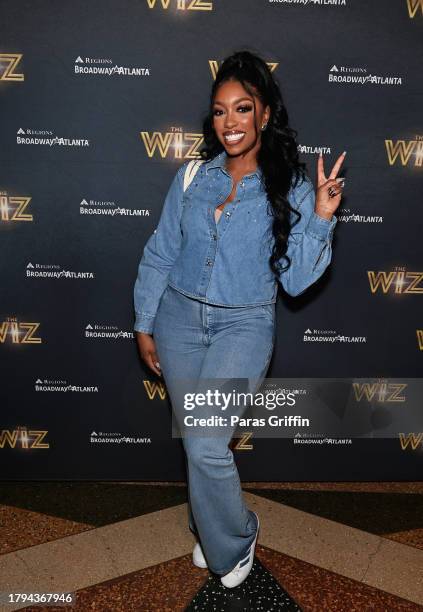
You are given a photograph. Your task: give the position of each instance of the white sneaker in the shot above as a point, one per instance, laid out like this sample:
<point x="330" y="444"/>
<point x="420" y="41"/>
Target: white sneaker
<point x="243" y="568"/>
<point x="198" y="557"/>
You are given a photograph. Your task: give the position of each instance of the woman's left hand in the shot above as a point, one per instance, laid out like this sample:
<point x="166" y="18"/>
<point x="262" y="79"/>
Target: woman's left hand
<point x="329" y="190"/>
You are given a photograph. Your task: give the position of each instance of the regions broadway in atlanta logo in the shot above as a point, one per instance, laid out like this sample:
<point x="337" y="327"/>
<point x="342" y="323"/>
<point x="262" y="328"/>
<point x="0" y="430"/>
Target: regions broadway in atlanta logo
<point x="314" y="149"/>
<point x="110" y="209"/>
<point x="62" y="386"/>
<point x="106" y="67"/>
<point x="309" y="438"/>
<point x="346" y="216"/>
<point x="54" y="271"/>
<point x="357" y="75"/>
<point x="107" y="331"/>
<point x="47" y="137"/>
<point x="311" y="2"/>
<point x="102" y="437"/>
<point x="329" y="335"/>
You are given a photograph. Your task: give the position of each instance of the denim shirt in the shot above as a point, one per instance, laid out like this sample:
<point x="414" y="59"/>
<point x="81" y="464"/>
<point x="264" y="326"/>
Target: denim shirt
<point x="227" y="263"/>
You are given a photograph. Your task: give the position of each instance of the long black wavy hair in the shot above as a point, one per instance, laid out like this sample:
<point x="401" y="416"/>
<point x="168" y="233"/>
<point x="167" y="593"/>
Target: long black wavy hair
<point x="278" y="154"/>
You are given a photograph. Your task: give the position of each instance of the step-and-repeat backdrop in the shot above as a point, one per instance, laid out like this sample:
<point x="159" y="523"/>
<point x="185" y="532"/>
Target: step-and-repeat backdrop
<point x="100" y="104"/>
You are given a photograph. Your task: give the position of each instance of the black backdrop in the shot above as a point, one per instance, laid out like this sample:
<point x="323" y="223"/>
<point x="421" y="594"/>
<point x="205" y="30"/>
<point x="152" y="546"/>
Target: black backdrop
<point x="100" y="104"/>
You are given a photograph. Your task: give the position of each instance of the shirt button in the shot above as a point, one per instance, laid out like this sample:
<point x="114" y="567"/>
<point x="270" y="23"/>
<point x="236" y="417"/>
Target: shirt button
<point x="214" y="236"/>
<point x="242" y="184"/>
<point x="209" y="262"/>
<point x="228" y="214"/>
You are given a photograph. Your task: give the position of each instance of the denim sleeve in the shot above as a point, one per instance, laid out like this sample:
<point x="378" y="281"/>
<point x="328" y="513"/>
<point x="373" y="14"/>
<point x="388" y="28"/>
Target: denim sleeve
<point x="309" y="243"/>
<point x="160" y="253"/>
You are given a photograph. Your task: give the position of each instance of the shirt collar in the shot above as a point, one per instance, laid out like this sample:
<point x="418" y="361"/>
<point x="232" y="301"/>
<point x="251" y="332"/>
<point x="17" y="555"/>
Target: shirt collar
<point x="219" y="161"/>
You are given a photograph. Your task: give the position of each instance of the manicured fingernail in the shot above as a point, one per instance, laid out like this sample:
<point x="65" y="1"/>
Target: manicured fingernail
<point x="320" y="154"/>
<point x="157" y="364"/>
<point x="344" y="152"/>
<point x="340" y="179"/>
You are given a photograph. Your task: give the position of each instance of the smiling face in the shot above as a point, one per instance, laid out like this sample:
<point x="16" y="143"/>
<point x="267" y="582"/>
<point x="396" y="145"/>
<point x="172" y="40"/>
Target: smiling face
<point x="235" y="124"/>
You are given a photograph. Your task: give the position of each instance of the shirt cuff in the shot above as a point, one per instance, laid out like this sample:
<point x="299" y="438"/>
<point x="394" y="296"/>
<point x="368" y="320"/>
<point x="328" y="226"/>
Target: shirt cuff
<point x="144" y="323"/>
<point x="320" y="227"/>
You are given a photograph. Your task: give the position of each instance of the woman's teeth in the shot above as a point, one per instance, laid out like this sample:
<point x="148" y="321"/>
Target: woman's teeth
<point x="234" y="137"/>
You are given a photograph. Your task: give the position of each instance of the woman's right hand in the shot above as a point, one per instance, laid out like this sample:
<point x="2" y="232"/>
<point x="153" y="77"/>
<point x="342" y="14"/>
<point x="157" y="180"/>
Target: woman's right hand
<point x="147" y="348"/>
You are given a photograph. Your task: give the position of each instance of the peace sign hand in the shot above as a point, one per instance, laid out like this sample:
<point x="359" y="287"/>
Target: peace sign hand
<point x="329" y="190"/>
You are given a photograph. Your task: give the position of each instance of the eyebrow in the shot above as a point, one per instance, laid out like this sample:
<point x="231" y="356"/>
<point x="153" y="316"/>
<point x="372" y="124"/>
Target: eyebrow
<point x="235" y="101"/>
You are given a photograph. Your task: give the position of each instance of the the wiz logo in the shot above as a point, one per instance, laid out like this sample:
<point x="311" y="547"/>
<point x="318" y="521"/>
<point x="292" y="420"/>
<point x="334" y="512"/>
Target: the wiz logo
<point x="413" y="6"/>
<point x="181" y="5"/>
<point x="401" y="150"/>
<point x="395" y="281"/>
<point x="12" y="208"/>
<point x="8" y="63"/>
<point x="180" y="144"/>
<point x="23" y="438"/>
<point x="18" y="332"/>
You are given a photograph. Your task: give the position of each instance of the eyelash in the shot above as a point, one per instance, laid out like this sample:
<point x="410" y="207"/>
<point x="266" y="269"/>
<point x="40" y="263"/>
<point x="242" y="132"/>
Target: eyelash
<point x="247" y="108"/>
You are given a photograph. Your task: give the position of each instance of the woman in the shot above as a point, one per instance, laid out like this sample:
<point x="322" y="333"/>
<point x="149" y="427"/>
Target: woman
<point x="208" y="278"/>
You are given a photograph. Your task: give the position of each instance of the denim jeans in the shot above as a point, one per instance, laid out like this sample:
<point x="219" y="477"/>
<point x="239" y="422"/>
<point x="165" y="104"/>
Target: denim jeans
<point x="196" y="340"/>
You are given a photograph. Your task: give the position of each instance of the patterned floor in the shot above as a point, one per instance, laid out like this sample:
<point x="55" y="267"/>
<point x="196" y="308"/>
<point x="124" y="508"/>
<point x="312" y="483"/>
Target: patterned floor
<point x="126" y="547"/>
